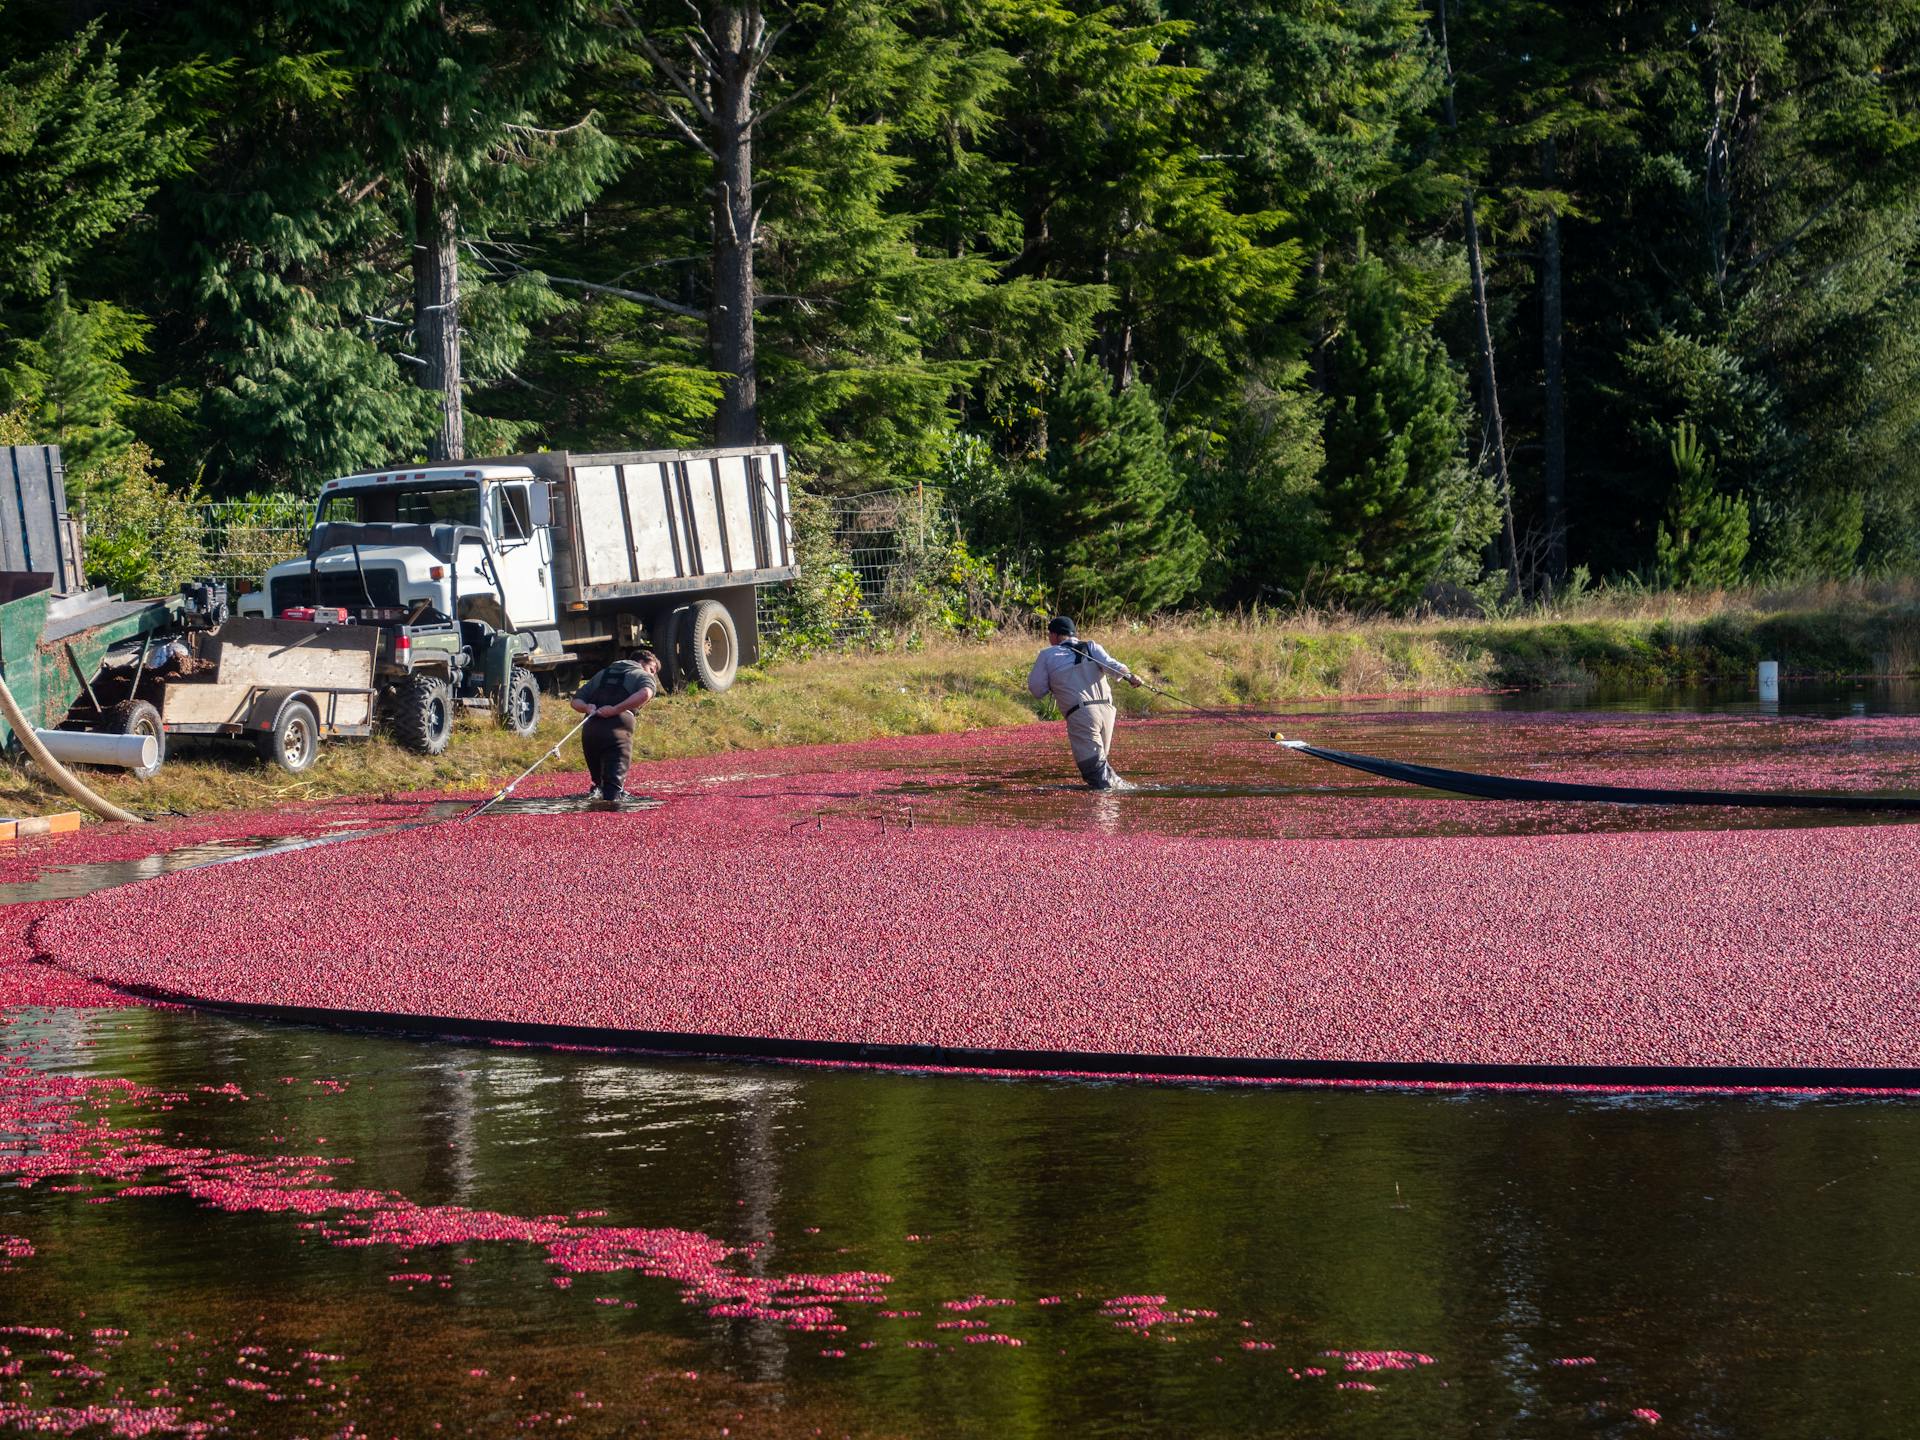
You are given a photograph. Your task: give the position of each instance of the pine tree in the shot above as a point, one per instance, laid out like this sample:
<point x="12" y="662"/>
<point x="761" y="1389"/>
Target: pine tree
<point x="1115" y="532"/>
<point x="80" y="149"/>
<point x="799" y="198"/>
<point x="1254" y="485"/>
<point x="1117" y="188"/>
<point x="1403" y="508"/>
<point x="1703" y="543"/>
<point x="462" y="137"/>
<point x="329" y="138"/>
<point x="71" y="380"/>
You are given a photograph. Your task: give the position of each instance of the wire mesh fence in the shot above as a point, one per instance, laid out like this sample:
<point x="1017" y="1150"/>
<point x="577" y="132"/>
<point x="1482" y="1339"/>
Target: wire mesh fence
<point x="244" y="538"/>
<point x="879" y="531"/>
<point x="863" y="563"/>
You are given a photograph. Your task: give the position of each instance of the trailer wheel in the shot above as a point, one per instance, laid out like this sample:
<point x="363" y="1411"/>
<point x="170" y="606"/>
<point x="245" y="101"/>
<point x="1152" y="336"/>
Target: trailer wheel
<point x="138" y="717"/>
<point x="423" y="714"/>
<point x="520" y="705"/>
<point x="716" y="646"/>
<point x="294" y="742"/>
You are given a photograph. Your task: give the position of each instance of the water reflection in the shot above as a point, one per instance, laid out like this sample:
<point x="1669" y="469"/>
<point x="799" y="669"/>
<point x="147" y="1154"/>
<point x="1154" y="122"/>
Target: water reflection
<point x="1733" y="1263"/>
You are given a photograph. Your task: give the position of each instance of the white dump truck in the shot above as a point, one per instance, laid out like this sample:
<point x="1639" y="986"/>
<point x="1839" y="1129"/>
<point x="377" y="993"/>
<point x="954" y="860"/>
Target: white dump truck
<point x="483" y="575"/>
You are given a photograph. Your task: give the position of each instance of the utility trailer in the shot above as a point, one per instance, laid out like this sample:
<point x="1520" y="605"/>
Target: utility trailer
<point x="96" y="664"/>
<point x="484" y="575"/>
<point x="83" y="662"/>
<point x="280" y="684"/>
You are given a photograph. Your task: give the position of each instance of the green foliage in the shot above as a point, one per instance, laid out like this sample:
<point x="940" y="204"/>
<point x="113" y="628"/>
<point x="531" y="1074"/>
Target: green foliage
<point x="72" y="382"/>
<point x="284" y="260"/>
<point x="1403" y="508"/>
<point x="79" y="150"/>
<point x="207" y="214"/>
<point x="1114" y="533"/>
<point x="143" y="537"/>
<point x="1703" y="542"/>
<point x="1254" y="483"/>
<point x="940" y="587"/>
<point x="1117" y="189"/>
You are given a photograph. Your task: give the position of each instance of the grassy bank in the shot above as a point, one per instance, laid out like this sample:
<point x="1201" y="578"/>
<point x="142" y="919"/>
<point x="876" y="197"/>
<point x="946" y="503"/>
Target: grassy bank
<point x="1648" y="640"/>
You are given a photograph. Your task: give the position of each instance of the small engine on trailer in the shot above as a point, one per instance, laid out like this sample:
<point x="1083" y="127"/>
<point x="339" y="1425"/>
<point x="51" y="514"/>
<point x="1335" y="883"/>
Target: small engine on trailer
<point x="203" y="604"/>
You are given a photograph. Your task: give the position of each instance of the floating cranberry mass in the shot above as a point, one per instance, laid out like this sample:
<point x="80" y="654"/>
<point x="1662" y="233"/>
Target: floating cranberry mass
<point x="772" y="903"/>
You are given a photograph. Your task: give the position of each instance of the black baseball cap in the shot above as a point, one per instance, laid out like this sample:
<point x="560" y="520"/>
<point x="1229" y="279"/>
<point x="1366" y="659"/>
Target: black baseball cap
<point x="1060" y="625"/>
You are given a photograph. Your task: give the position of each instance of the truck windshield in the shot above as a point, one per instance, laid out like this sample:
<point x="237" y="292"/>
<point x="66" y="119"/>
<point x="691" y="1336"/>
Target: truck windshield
<point x="454" y="502"/>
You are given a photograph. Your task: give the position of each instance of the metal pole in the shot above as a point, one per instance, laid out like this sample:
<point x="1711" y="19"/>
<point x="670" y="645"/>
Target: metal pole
<point x="558" y="745"/>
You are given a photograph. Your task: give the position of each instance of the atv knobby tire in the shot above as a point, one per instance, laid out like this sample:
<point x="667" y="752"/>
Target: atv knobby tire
<point x="422" y="714"/>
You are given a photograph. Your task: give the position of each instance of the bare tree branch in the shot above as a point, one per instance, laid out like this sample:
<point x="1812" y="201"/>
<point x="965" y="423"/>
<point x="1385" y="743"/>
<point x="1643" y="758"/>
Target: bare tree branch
<point x="689" y="134"/>
<point x="639" y="297"/>
<point x="805" y="302"/>
<point x="785" y="102"/>
<point x="700" y="26"/>
<point x="671" y="71"/>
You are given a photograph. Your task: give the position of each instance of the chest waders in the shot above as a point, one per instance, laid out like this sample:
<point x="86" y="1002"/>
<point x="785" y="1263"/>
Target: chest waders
<point x="1090" y="722"/>
<point x="607" y="741"/>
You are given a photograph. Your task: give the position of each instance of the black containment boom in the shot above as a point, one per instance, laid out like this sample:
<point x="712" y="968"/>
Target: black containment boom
<point x="1501" y="787"/>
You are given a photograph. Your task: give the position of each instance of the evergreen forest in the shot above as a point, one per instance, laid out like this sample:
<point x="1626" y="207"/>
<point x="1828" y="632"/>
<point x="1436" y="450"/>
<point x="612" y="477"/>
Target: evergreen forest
<point x="1176" y="303"/>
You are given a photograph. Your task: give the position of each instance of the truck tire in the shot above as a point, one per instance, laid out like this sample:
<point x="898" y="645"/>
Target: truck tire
<point x="137" y="717"/>
<point x="294" y="742"/>
<point x="669" y="631"/>
<point x="423" y="714"/>
<point x="716" y="646"/>
<point x="520" y="705"/>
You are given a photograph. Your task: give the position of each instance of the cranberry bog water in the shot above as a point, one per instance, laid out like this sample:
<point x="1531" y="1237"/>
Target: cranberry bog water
<point x="869" y="1217"/>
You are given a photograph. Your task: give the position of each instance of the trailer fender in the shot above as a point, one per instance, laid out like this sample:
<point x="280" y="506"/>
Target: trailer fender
<point x="267" y="706"/>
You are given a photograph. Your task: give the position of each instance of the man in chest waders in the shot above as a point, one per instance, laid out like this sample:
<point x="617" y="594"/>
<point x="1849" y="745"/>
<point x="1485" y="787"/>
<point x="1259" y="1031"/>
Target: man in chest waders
<point x="1074" y="672"/>
<point x="610" y="699"/>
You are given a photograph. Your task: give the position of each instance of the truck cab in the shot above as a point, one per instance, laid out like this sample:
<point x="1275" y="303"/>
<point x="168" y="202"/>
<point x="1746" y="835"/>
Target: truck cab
<point x="440" y="543"/>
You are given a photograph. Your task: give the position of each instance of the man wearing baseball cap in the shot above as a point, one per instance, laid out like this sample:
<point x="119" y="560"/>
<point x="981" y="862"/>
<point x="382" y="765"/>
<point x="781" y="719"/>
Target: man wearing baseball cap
<point x="1074" y="672"/>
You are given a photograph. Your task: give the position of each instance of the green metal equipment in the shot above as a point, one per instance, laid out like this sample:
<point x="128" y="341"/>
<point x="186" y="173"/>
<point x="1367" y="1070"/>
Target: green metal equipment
<point x="52" y="648"/>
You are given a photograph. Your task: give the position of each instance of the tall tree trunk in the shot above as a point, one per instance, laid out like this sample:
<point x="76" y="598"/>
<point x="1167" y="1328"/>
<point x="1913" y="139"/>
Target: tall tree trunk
<point x="737" y="31"/>
<point x="1490" y="380"/>
<point x="1318" y="357"/>
<point x="436" y="306"/>
<point x="1552" y="342"/>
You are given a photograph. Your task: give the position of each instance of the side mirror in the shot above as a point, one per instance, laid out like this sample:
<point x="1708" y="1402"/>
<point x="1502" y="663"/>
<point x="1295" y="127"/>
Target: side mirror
<point x="540" y="502"/>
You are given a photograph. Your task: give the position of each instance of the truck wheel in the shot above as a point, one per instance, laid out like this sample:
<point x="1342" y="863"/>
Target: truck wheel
<point x="294" y="742"/>
<point x="520" y="705"/>
<point x="716" y="646"/>
<point x="423" y="714"/>
<point x="669" y="632"/>
<point x="137" y="717"/>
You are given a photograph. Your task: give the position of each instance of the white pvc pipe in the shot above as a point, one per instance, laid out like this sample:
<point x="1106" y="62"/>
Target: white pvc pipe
<point x="93" y="747"/>
<point x="29" y="739"/>
<point x="1769" y="680"/>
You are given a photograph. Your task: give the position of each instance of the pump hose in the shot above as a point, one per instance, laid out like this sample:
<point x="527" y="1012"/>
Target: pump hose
<point x="55" y="771"/>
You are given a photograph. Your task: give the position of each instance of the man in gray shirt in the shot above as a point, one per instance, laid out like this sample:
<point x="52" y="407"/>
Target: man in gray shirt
<point x="1074" y="672"/>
